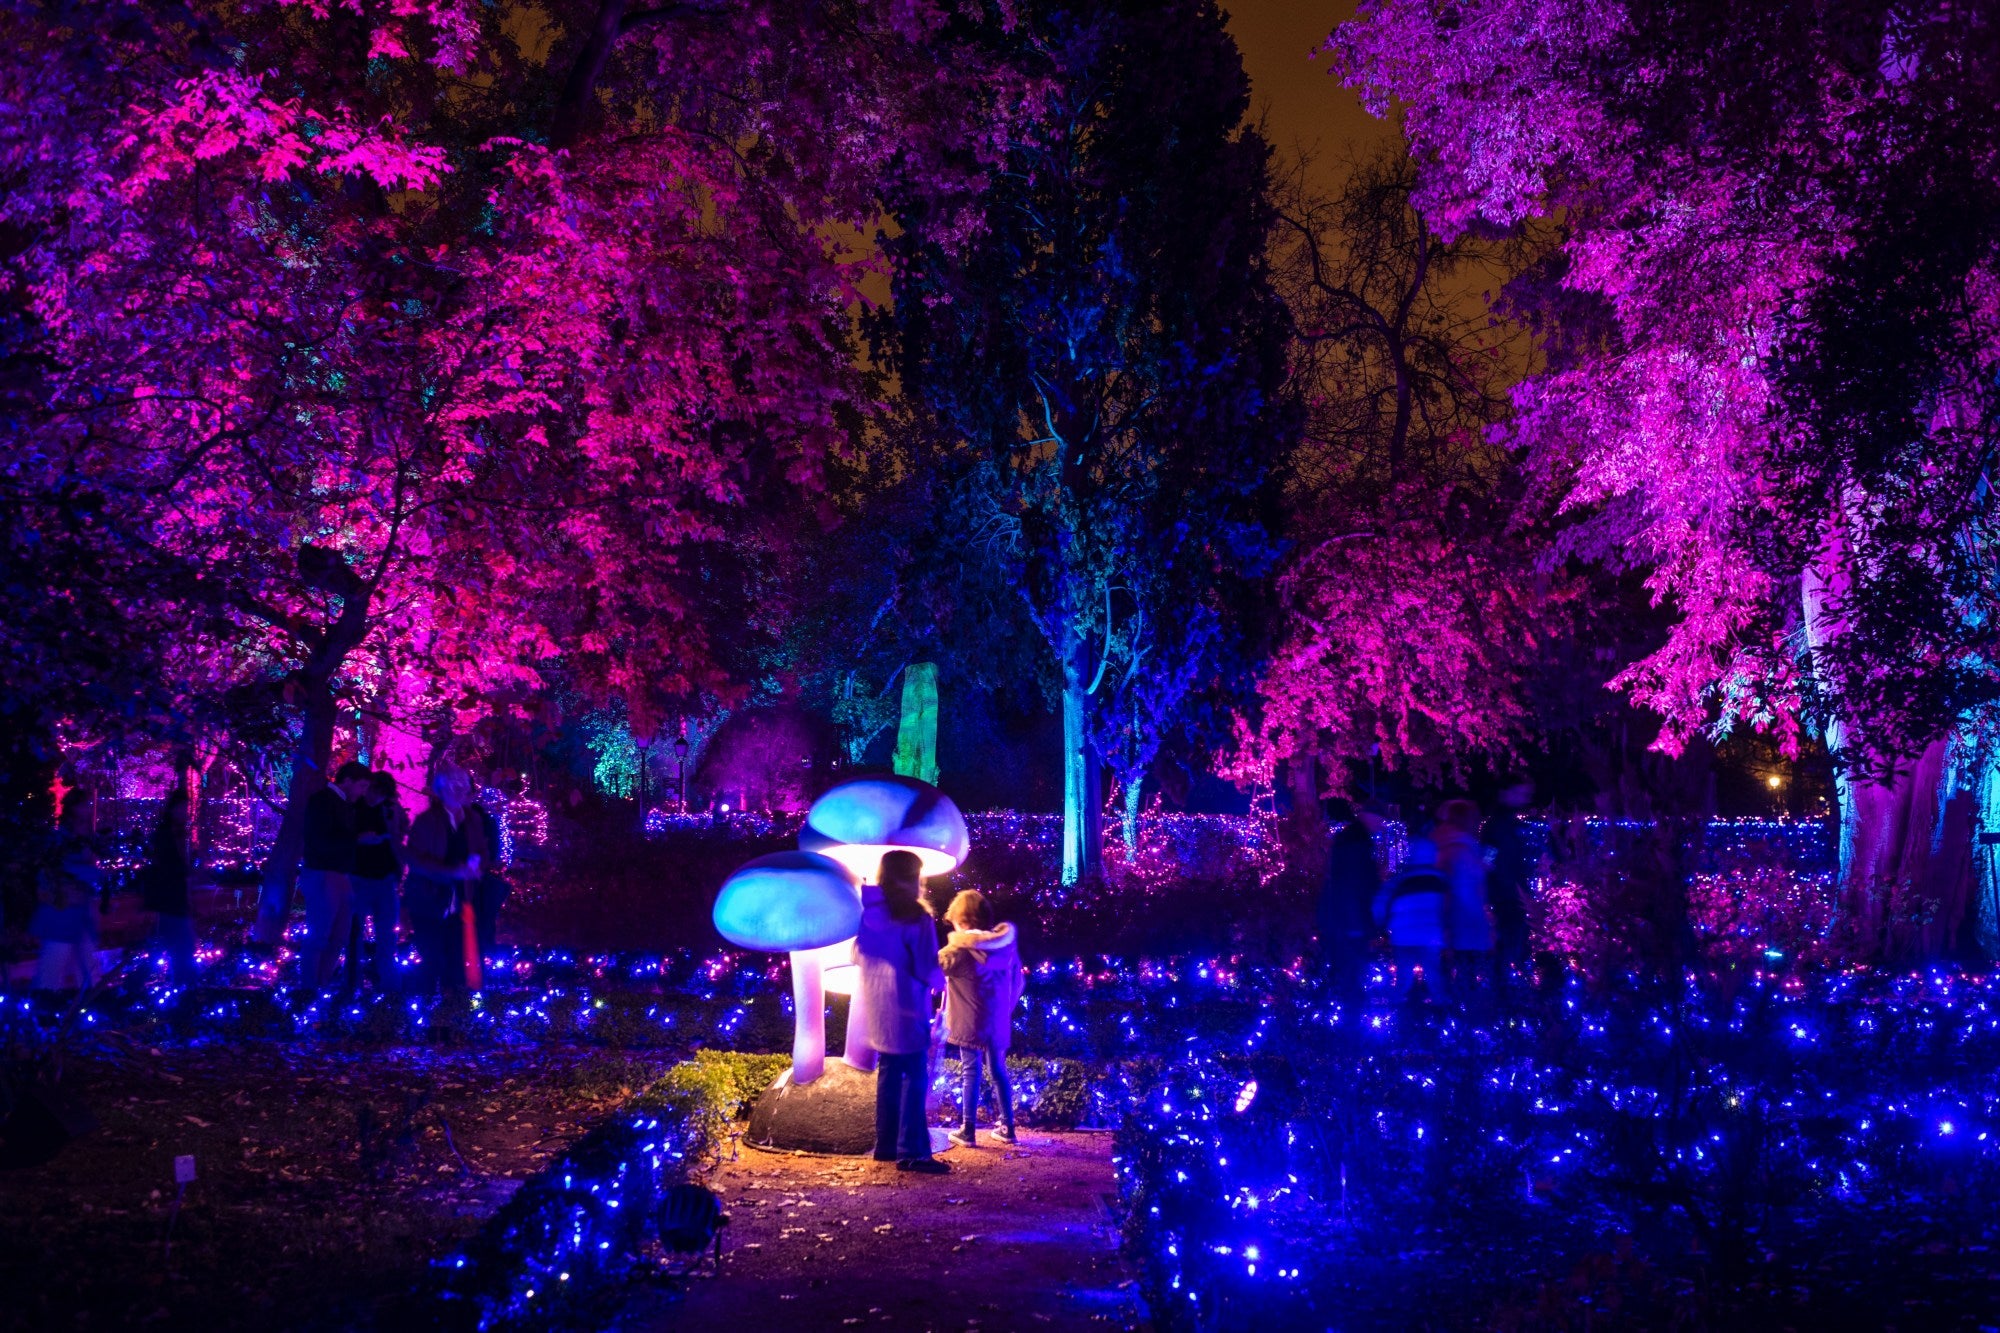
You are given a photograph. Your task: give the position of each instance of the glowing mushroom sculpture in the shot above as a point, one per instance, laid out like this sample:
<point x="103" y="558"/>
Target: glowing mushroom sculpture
<point x="856" y="823"/>
<point x="797" y="903"/>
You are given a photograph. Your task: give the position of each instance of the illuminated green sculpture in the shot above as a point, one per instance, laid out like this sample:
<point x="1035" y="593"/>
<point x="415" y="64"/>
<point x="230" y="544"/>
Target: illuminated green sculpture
<point x="916" y="732"/>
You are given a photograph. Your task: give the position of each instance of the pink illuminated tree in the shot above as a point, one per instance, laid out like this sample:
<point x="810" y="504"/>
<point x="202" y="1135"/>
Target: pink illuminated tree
<point x="391" y="400"/>
<point x="1772" y="330"/>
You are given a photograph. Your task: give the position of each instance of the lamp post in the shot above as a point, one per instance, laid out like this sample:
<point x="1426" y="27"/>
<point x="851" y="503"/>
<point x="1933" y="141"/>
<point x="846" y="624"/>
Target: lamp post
<point x="681" y="754"/>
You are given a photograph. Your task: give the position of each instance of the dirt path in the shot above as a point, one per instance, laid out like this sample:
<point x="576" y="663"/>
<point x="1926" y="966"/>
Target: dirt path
<point x="1012" y="1239"/>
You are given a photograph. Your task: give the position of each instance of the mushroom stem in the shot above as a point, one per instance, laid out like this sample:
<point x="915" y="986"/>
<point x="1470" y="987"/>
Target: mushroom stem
<point x="808" y="1017"/>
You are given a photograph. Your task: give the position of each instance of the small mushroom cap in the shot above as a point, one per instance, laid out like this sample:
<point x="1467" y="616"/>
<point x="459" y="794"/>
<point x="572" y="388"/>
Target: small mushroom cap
<point x="856" y="822"/>
<point x="788" y="901"/>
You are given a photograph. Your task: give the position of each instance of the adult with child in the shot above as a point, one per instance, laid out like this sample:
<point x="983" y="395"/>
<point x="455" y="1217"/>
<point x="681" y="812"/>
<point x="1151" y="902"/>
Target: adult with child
<point x="983" y="982"/>
<point x="380" y="830"/>
<point x="897" y="951"/>
<point x="163" y="887"/>
<point x="446" y="848"/>
<point x="327" y="867"/>
<point x="1462" y="861"/>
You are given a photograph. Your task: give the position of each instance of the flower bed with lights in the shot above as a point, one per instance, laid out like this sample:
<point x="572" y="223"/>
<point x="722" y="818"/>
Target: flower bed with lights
<point x="1641" y="1159"/>
<point x="583" y="1226"/>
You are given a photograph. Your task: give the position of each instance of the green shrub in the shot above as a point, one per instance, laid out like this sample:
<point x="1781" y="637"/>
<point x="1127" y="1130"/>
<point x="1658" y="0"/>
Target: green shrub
<point x="721" y="1084"/>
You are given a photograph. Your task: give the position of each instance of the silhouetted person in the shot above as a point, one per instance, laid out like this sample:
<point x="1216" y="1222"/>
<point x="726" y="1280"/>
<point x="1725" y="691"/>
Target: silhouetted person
<point x="1509" y="877"/>
<point x="447" y="846"/>
<point x="327" y="867"/>
<point x="65" y="919"/>
<point x="380" y="827"/>
<point x="490" y="893"/>
<point x="163" y="887"/>
<point x="1347" y="898"/>
<point x="1462" y="861"/>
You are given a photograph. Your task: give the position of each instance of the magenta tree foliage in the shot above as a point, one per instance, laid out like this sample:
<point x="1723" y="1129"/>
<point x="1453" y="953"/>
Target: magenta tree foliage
<point x="1771" y="333"/>
<point x="405" y="347"/>
<point x="1412" y="610"/>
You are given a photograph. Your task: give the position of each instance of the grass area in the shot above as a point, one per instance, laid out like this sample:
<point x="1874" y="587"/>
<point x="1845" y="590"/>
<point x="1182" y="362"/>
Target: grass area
<point x="328" y="1176"/>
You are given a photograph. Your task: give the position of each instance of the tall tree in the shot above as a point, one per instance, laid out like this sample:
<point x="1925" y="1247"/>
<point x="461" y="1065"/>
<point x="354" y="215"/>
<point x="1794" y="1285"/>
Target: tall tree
<point x="1782" y="230"/>
<point x="1412" y="609"/>
<point x="1098" y="367"/>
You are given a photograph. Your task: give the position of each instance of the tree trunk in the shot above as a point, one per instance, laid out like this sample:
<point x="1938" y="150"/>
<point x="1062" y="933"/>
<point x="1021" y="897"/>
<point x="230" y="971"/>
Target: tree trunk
<point x="1135" y="795"/>
<point x="1304" y="832"/>
<point x="1083" y="795"/>
<point x="1906" y="840"/>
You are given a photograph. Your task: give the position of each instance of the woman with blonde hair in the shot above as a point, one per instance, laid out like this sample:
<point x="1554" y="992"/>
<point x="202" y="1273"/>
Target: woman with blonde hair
<point x="983" y="982"/>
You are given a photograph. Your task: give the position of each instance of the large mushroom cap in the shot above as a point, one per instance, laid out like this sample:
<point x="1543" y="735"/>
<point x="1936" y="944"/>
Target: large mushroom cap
<point x="858" y="821"/>
<point x="787" y="901"/>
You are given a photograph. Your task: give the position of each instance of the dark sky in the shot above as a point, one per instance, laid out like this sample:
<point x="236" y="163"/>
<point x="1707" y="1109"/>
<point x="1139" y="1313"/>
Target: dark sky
<point x="1304" y="106"/>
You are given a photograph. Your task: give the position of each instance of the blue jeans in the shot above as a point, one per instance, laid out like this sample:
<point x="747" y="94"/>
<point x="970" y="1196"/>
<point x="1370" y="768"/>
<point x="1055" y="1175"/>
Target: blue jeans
<point x="175" y="935"/>
<point x="1003" y="1090"/>
<point x="329" y="896"/>
<point x="375" y="903"/>
<point x="902" y="1131"/>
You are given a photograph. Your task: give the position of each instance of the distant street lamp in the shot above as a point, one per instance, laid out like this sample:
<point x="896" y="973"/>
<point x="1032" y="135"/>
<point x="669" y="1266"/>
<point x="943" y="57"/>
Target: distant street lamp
<point x="681" y="753"/>
<point x="643" y="743"/>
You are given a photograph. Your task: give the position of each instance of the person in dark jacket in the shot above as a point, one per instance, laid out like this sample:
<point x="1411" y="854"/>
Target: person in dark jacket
<point x="327" y="865"/>
<point x="65" y="919"/>
<point x="380" y="826"/>
<point x="897" y="952"/>
<point x="1508" y="877"/>
<point x="492" y="889"/>
<point x="447" y="847"/>
<point x="1348" y="897"/>
<point x="163" y="887"/>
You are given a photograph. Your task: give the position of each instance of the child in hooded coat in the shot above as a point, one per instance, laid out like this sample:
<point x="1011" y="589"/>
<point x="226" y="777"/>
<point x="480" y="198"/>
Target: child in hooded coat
<point x="983" y="982"/>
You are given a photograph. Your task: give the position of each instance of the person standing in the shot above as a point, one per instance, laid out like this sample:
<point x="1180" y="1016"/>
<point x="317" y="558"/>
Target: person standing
<point x="897" y="950"/>
<point x="163" y="889"/>
<point x="328" y="863"/>
<point x="1468" y="928"/>
<point x="492" y="889"/>
<point x="1352" y="881"/>
<point x="983" y="982"/>
<point x="380" y="828"/>
<point x="1412" y="906"/>
<point x="65" y="919"/>
<point x="1508" y="877"/>
<point x="447" y="846"/>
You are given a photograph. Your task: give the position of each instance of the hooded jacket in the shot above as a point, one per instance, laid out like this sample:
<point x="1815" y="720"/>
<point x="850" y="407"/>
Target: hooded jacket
<point x="983" y="982"/>
<point x="899" y="971"/>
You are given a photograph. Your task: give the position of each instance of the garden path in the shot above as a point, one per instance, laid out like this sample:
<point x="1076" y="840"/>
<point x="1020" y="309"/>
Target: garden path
<point x="1013" y="1239"/>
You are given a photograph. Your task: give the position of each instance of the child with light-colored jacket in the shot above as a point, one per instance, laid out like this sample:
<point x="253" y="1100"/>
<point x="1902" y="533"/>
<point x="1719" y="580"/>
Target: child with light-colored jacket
<point x="983" y="982"/>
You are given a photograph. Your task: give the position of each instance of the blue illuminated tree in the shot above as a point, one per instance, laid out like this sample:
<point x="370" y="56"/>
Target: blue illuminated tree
<point x="1097" y="370"/>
